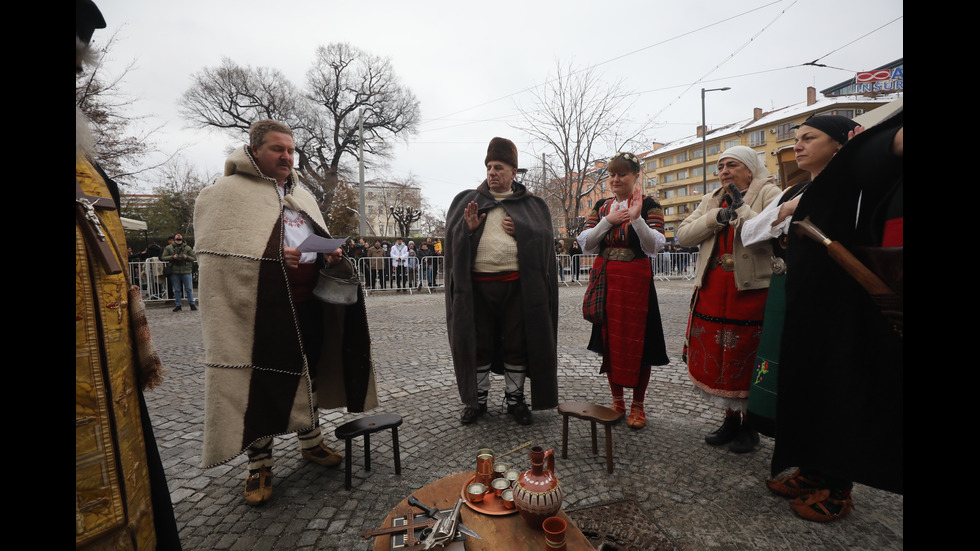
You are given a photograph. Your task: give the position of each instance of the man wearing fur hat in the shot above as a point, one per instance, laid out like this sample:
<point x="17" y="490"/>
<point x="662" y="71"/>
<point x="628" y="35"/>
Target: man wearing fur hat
<point x="270" y="345"/>
<point x="121" y="497"/>
<point x="502" y="290"/>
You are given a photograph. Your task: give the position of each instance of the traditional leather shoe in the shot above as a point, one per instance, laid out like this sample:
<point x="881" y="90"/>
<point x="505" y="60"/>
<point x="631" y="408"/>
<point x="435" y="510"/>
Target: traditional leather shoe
<point x="726" y="432"/>
<point x="820" y="506"/>
<point x="795" y="485"/>
<point x="193" y="307"/>
<point x="177" y="309"/>
<point x="322" y="455"/>
<point x="258" y="486"/>
<point x="470" y="414"/>
<point x="637" y="418"/>
<point x="520" y="413"/>
<point x="619" y="404"/>
<point x="745" y="440"/>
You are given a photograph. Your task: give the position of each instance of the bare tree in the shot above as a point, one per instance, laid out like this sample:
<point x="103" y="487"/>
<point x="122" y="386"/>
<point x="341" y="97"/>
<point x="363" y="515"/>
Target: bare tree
<point x="343" y="83"/>
<point x="342" y="219"/>
<point x="389" y="197"/>
<point x="173" y="210"/>
<point x="433" y="222"/>
<point x="580" y="119"/>
<point x="405" y="218"/>
<point x="120" y="146"/>
<point x="231" y="97"/>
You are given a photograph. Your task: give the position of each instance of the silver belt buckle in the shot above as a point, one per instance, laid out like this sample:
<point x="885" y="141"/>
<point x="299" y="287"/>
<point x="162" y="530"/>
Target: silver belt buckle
<point x="620" y="255"/>
<point x="728" y="262"/>
<point x="778" y="265"/>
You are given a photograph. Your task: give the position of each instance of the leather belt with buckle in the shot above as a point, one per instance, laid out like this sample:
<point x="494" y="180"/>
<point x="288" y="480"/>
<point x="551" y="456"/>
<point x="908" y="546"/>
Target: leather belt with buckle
<point x="727" y="262"/>
<point x="778" y="265"/>
<point x="619" y="254"/>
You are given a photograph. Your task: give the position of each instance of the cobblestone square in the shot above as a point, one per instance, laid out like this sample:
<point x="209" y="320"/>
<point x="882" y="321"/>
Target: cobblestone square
<point x="700" y="497"/>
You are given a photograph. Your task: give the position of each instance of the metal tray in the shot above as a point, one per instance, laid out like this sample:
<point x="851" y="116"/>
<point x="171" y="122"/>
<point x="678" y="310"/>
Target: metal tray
<point x="491" y="504"/>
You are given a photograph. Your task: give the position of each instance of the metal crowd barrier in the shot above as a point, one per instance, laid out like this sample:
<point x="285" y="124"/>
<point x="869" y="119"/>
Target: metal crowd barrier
<point x="576" y="269"/>
<point x="674" y="266"/>
<point x="428" y="273"/>
<point x="381" y="274"/>
<point x="378" y="274"/>
<point x="149" y="276"/>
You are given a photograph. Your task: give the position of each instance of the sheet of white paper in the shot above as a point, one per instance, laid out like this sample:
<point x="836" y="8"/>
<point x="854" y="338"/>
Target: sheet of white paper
<point x="317" y="244"/>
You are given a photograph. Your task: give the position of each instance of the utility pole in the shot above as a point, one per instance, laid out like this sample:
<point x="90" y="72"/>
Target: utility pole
<point x="362" y="228"/>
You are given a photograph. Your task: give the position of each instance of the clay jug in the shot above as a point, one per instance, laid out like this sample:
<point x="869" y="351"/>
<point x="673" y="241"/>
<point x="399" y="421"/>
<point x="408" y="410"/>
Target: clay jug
<point x="537" y="494"/>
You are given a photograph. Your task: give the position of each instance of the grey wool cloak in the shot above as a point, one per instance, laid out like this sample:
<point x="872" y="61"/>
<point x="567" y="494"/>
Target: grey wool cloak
<point x="257" y="381"/>
<point x="539" y="289"/>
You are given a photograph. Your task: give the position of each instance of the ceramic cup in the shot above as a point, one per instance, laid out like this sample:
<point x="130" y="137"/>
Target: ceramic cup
<point x="475" y="492"/>
<point x="554" y="533"/>
<point x="507" y="496"/>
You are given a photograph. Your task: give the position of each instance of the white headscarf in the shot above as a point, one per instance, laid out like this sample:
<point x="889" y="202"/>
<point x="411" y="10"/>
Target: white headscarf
<point x="750" y="158"/>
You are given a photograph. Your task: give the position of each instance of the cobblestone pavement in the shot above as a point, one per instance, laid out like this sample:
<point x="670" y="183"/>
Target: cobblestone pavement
<point x="700" y="497"/>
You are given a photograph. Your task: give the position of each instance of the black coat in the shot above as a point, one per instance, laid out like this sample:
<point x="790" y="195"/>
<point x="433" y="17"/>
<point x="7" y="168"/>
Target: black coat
<point x="840" y="392"/>
<point x="539" y="288"/>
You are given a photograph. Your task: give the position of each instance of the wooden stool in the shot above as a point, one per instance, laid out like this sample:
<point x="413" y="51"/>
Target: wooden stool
<point x="364" y="427"/>
<point x="594" y="413"/>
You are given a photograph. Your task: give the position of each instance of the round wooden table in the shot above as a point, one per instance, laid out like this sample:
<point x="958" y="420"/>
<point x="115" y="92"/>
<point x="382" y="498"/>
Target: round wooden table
<point x="498" y="532"/>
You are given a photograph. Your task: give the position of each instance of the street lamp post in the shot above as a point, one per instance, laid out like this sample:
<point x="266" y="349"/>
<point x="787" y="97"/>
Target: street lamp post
<point x="704" y="139"/>
<point x="362" y="228"/>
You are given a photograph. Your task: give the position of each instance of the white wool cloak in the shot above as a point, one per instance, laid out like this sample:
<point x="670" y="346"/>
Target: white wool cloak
<point x="257" y="381"/>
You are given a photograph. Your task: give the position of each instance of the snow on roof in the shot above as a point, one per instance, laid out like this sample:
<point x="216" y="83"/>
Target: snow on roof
<point x="781" y="114"/>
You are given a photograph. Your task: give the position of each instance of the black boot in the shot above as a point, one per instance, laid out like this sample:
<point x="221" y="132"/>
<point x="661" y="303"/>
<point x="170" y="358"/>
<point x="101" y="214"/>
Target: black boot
<point x="745" y="440"/>
<point x="518" y="409"/>
<point x="470" y="414"/>
<point x="726" y="432"/>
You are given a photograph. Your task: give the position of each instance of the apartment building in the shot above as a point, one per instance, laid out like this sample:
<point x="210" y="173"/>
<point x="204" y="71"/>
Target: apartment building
<point x="679" y="174"/>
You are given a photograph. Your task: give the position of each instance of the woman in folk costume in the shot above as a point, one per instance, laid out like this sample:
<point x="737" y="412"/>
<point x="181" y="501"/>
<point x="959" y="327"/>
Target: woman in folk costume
<point x="625" y="231"/>
<point x="817" y="141"/>
<point x="840" y="410"/>
<point x="732" y="284"/>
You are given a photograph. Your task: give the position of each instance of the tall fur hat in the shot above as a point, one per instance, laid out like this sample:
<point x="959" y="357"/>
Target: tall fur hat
<point x="87" y="19"/>
<point x="503" y="150"/>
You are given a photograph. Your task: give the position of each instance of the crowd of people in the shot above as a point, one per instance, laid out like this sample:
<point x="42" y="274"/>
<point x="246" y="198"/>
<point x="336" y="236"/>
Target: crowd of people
<point x="391" y="266"/>
<point x="399" y="266"/>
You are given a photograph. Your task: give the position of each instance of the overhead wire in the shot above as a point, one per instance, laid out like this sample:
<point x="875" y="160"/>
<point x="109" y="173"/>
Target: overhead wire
<point x="687" y="86"/>
<point x="727" y="59"/>
<point x="835" y="50"/>
<point x="662" y="42"/>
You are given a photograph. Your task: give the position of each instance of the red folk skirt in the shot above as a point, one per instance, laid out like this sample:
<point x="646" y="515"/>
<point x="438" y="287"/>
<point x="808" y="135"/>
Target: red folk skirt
<point x="724" y="331"/>
<point x="624" y="333"/>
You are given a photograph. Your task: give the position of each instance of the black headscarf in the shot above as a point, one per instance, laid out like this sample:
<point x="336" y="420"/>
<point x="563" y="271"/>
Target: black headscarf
<point x="835" y="126"/>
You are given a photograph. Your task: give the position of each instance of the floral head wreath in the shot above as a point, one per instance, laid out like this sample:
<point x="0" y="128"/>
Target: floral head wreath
<point x="628" y="156"/>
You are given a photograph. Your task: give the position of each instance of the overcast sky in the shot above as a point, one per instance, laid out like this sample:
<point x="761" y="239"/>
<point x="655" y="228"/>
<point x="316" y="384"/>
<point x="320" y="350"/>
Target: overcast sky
<point x="471" y="64"/>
